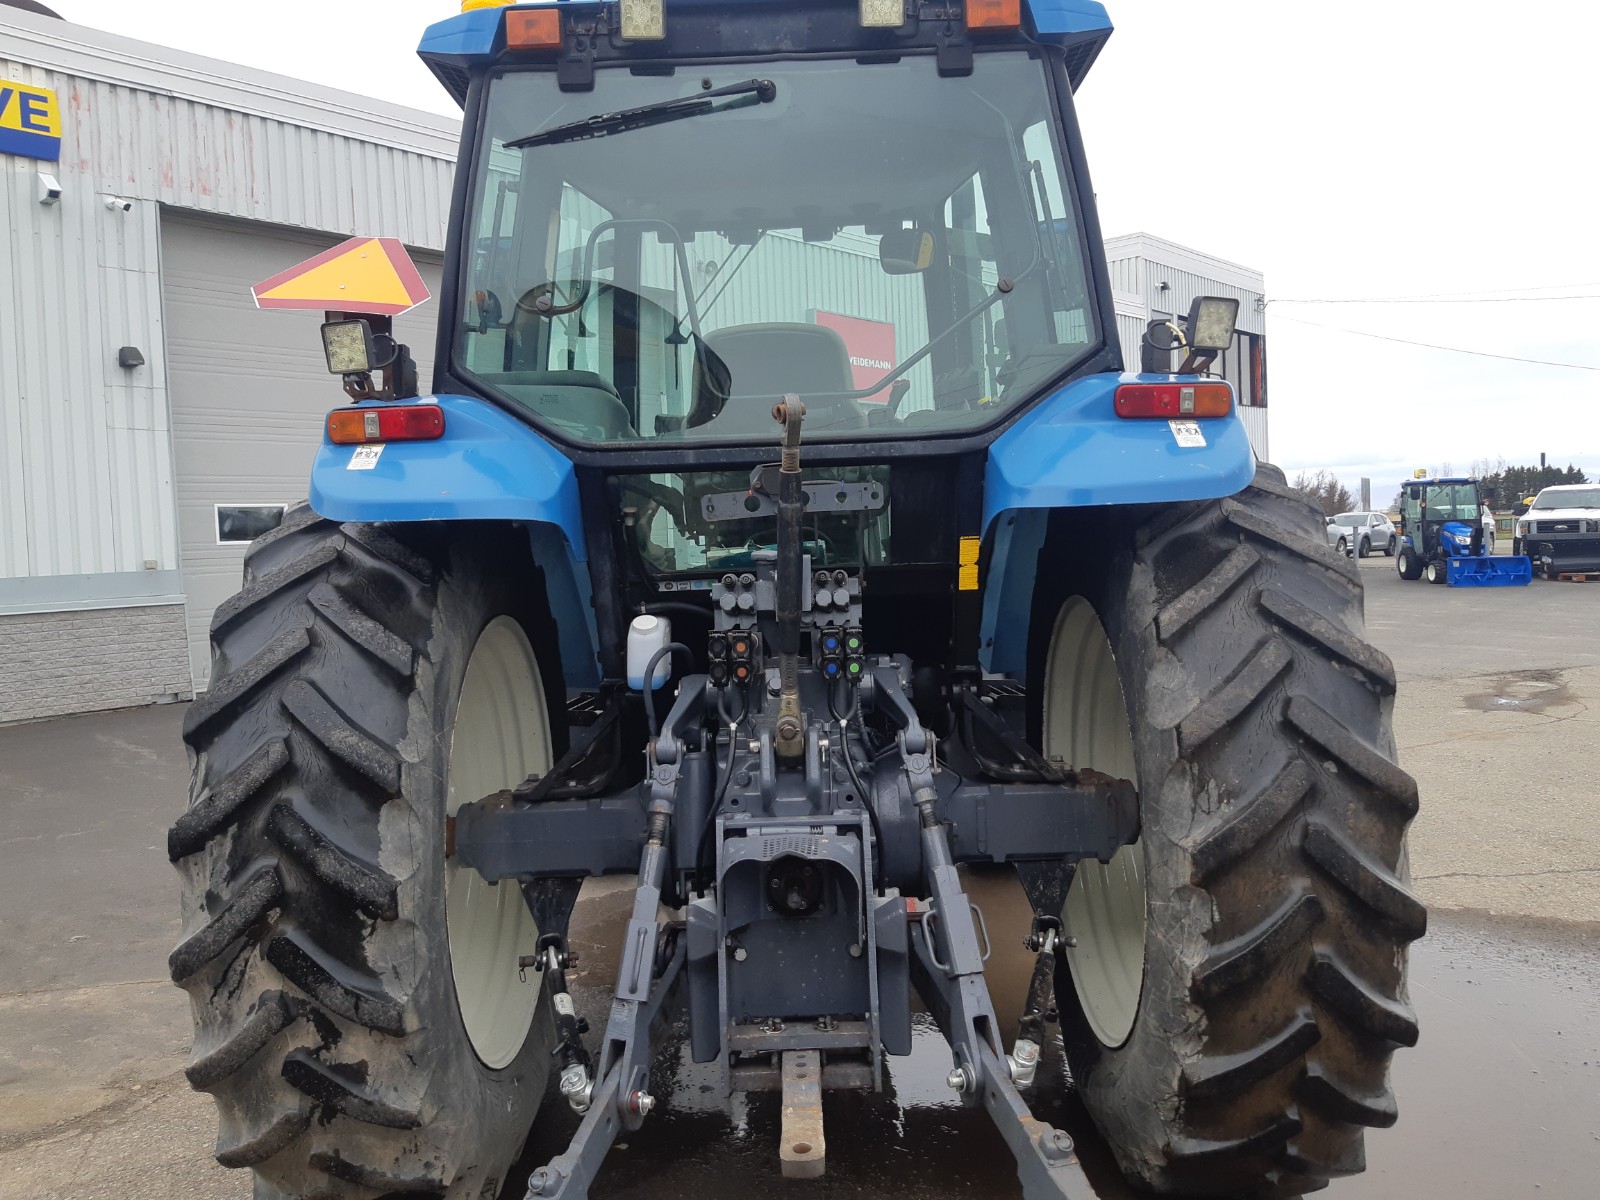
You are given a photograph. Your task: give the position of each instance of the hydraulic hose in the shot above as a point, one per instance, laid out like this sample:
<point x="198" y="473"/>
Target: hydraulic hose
<point x="868" y="801"/>
<point x="649" y="681"/>
<point x="727" y="773"/>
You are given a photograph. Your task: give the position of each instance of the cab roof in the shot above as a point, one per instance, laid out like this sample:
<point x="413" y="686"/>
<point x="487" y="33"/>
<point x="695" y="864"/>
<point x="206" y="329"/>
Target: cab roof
<point x="458" y="47"/>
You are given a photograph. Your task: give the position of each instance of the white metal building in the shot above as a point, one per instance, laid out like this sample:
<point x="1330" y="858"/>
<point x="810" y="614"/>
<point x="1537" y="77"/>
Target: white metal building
<point x="127" y="491"/>
<point x="1152" y="278"/>
<point x="180" y="182"/>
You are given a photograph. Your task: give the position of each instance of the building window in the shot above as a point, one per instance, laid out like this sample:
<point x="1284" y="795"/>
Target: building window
<point x="241" y="524"/>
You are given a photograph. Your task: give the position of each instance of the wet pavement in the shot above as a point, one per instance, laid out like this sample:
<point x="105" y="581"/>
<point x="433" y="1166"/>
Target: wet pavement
<point x="1501" y="1098"/>
<point x="1498" y="716"/>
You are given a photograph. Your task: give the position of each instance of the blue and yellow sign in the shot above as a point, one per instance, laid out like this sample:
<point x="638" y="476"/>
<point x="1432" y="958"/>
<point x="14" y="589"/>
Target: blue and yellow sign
<point x="30" y="121"/>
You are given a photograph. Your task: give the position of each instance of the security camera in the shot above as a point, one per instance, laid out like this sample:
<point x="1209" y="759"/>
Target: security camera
<point x="119" y="204"/>
<point x="49" y="188"/>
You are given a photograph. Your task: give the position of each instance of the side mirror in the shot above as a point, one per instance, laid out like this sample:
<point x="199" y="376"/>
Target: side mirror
<point x="905" y="251"/>
<point x="1331" y="521"/>
<point x="489" y="313"/>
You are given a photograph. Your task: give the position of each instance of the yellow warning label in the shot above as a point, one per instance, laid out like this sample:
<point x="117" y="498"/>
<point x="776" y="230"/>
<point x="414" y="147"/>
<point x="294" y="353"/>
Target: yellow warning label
<point x="967" y="579"/>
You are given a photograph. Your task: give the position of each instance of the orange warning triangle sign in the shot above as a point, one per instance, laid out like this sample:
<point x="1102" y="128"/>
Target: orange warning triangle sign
<point x="361" y="275"/>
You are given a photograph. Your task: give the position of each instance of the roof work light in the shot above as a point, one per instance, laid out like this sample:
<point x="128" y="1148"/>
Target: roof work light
<point x="883" y="14"/>
<point x="644" y="20"/>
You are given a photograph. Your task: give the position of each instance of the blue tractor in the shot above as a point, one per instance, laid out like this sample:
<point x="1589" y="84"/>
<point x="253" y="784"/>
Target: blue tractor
<point x="1441" y="537"/>
<point x="782" y="530"/>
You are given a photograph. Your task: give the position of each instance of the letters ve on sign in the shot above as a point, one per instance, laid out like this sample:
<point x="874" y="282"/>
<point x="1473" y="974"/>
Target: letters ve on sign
<point x="30" y="121"/>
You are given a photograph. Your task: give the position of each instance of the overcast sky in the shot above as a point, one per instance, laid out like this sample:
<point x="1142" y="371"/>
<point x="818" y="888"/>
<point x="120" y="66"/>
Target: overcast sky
<point x="1392" y="149"/>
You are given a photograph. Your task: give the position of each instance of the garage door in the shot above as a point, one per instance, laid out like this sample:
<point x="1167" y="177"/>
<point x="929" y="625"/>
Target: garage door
<point x="249" y="392"/>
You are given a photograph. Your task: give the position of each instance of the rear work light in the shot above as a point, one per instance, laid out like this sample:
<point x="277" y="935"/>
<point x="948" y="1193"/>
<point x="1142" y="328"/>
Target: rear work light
<point x="405" y="423"/>
<point x="1174" y="400"/>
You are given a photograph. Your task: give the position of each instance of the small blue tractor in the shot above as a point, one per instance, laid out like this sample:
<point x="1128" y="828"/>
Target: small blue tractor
<point x="781" y="530"/>
<point x="1441" y="537"/>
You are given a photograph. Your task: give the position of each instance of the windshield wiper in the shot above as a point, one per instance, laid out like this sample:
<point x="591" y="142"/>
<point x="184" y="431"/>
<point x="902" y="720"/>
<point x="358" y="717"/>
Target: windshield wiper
<point x="748" y="93"/>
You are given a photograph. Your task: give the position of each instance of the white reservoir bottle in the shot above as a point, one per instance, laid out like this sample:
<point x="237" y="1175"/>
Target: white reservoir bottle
<point x="646" y="635"/>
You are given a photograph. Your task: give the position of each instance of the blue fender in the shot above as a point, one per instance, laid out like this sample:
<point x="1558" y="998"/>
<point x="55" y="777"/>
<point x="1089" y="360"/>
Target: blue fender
<point x="488" y="466"/>
<point x="1073" y="451"/>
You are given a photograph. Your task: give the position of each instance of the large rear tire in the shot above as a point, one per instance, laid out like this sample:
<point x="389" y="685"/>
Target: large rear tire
<point x="1237" y="986"/>
<point x="359" y="1017"/>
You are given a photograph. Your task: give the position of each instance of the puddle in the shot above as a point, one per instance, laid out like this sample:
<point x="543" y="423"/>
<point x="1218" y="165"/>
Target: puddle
<point x="1524" y="691"/>
<point x="1506" y="1002"/>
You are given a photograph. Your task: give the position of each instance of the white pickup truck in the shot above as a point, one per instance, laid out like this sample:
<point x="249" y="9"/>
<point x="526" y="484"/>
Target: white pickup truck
<point x="1561" y="531"/>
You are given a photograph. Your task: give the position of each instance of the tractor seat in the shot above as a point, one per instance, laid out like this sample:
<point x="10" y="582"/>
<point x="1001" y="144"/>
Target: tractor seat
<point x="773" y="360"/>
<point x="581" y="402"/>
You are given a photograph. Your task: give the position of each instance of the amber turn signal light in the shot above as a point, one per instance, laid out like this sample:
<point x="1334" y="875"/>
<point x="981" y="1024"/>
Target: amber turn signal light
<point x="533" y="29"/>
<point x="994" y="14"/>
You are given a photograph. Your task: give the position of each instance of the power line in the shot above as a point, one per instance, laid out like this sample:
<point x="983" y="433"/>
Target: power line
<point x="1540" y="362"/>
<point x="1440" y="300"/>
<point x="1488" y="294"/>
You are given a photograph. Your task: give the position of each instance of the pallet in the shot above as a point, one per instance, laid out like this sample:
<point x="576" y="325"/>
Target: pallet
<point x="1579" y="577"/>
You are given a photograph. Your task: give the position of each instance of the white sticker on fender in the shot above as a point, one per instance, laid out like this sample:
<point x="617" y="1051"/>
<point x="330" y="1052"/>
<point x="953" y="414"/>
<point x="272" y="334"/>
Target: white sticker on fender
<point x="366" y="457"/>
<point x="1185" y="433"/>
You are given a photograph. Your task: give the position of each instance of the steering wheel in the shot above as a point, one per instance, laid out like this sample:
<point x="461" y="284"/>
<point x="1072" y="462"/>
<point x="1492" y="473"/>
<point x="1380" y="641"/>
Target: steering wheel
<point x="551" y="300"/>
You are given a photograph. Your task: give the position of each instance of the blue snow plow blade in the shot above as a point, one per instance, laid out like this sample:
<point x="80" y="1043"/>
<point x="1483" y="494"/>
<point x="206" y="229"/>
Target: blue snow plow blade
<point x="488" y="466"/>
<point x="1489" y="571"/>
<point x="1073" y="451"/>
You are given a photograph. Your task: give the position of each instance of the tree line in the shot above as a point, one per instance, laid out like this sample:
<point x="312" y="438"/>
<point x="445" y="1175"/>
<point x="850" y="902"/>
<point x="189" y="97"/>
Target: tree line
<point x="1511" y="484"/>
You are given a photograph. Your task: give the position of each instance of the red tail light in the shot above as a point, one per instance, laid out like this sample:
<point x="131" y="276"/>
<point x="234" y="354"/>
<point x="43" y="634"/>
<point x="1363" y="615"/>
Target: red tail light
<point x="1174" y="400"/>
<point x="406" y="423"/>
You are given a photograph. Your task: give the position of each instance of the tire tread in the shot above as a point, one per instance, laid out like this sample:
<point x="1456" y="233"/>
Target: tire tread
<point x="1294" y="841"/>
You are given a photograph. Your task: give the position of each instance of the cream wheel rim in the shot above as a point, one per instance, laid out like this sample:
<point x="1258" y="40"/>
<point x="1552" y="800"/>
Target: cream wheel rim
<point x="1086" y="725"/>
<point x="501" y="736"/>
